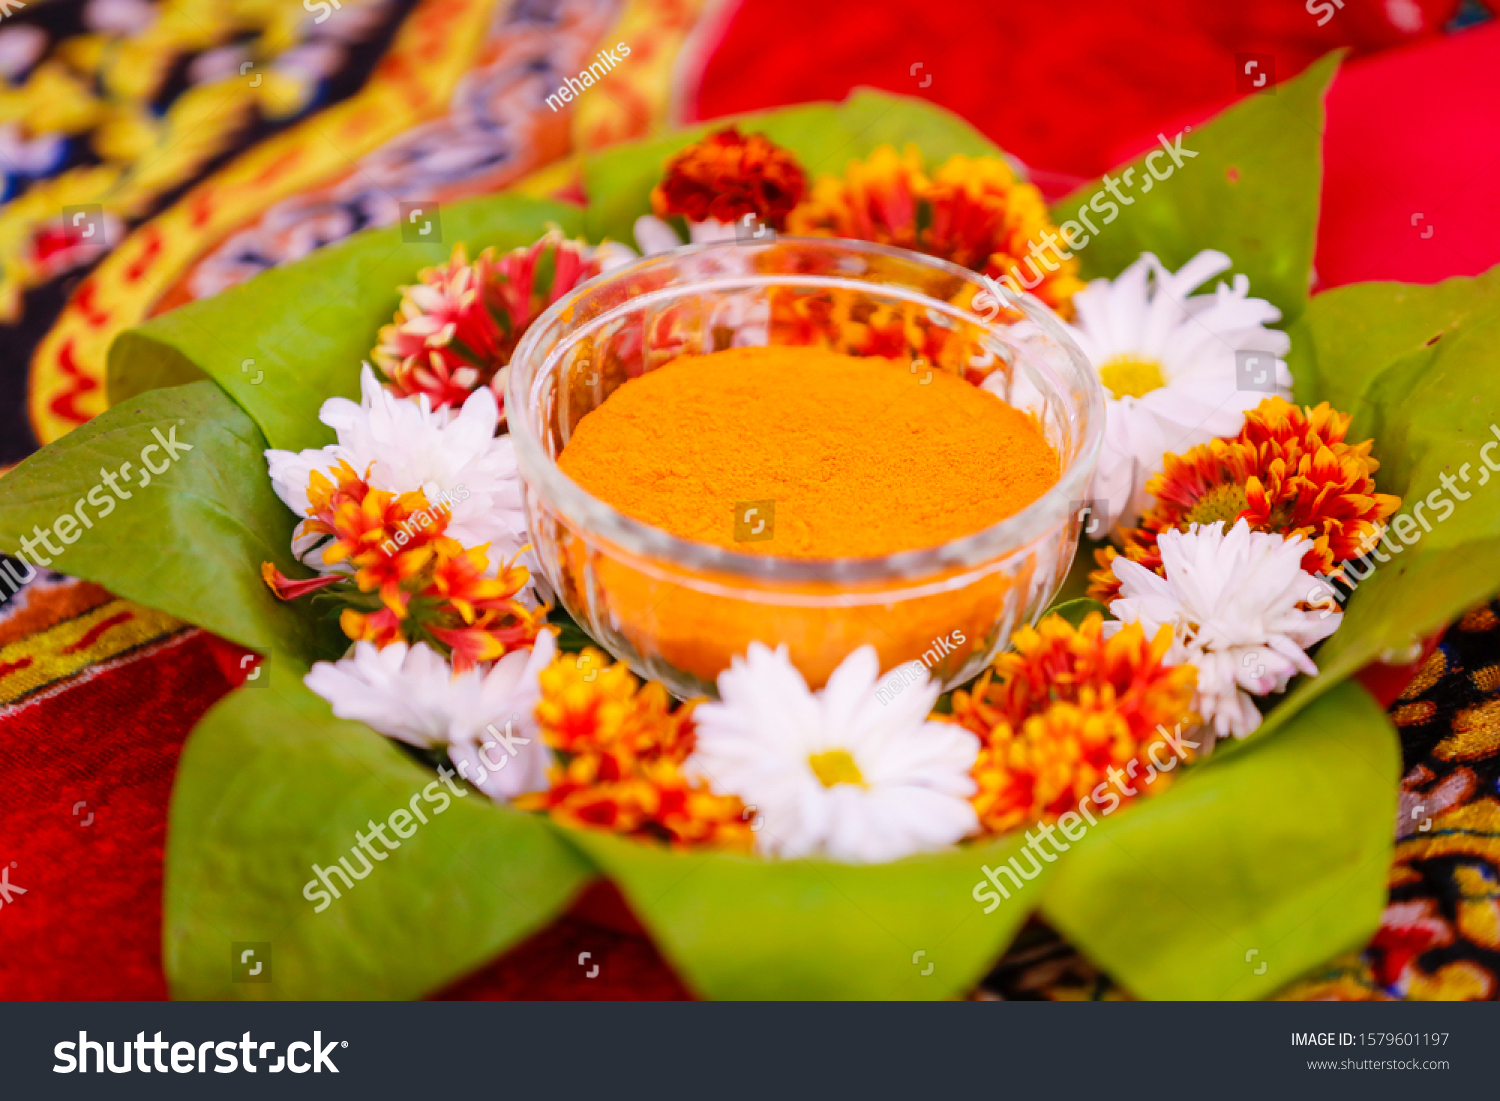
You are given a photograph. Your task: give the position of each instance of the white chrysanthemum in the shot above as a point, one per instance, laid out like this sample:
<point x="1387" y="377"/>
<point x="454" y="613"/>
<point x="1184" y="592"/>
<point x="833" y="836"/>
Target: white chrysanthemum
<point x="836" y="773"/>
<point x="484" y="716"/>
<point x="452" y="455"/>
<point x="1232" y="600"/>
<point x="611" y="255"/>
<point x="1169" y="367"/>
<point x="654" y="235"/>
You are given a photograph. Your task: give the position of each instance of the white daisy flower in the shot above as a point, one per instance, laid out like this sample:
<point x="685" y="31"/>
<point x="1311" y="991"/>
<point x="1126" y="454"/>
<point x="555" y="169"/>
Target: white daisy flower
<point x="1233" y="602"/>
<point x="611" y="255"/>
<point x="1169" y="369"/>
<point x="836" y="772"/>
<point x="654" y="235"/>
<point x="452" y="455"/>
<point x="484" y="716"/>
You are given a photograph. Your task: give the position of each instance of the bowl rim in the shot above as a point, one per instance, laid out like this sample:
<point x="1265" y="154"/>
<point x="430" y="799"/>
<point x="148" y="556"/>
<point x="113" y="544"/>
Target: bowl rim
<point x="597" y="520"/>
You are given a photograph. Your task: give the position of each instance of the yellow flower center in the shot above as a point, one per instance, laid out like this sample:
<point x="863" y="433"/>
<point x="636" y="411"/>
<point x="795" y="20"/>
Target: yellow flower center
<point x="1223" y="502"/>
<point x="1131" y="376"/>
<point x="835" y="767"/>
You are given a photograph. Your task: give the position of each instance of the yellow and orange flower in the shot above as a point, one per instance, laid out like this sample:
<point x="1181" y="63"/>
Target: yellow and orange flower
<point x="624" y="745"/>
<point x="971" y="211"/>
<point x="1290" y="471"/>
<point x="847" y="322"/>
<point x="874" y="200"/>
<point x="728" y="175"/>
<point x="1068" y="712"/>
<point x="410" y="581"/>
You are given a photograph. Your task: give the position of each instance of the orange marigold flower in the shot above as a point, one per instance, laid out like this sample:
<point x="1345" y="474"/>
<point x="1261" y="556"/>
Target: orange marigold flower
<point x="875" y="200"/>
<point x="1069" y="711"/>
<point x="971" y="211"/>
<point x="623" y="745"/>
<point x="840" y="321"/>
<point x="728" y="175"/>
<point x="1289" y="471"/>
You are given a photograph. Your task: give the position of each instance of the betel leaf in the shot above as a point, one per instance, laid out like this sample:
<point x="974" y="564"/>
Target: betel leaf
<point x="824" y="136"/>
<point x="1251" y="191"/>
<point x="743" y="927"/>
<point x="1246" y="872"/>
<point x="1352" y="334"/>
<point x="1419" y="369"/>
<point x="284" y="342"/>
<point x="188" y="542"/>
<point x="271" y="784"/>
<point x="1077" y="610"/>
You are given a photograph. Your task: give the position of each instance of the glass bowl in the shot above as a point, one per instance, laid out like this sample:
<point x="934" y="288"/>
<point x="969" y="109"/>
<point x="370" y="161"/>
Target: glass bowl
<point x="679" y="610"/>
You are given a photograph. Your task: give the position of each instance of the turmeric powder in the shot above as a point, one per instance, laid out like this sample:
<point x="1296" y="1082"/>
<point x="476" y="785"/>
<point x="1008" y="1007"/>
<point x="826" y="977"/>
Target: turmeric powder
<point x="858" y="457"/>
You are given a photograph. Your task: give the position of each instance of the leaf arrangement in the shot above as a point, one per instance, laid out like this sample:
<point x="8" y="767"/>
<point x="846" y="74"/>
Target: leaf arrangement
<point x="1275" y="849"/>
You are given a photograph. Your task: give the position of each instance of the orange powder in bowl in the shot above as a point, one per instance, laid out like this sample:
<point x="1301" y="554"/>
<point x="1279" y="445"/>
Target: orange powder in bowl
<point x="806" y="453"/>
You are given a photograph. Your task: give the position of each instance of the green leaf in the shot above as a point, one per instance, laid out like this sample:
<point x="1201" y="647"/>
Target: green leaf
<point x="824" y="136"/>
<point x="190" y="541"/>
<point x="743" y="927"/>
<point x="1251" y="192"/>
<point x="571" y="638"/>
<point x="1275" y="855"/>
<point x="1419" y="368"/>
<point x="1351" y="334"/>
<point x="271" y="784"/>
<point x="286" y="341"/>
<point x="1076" y="611"/>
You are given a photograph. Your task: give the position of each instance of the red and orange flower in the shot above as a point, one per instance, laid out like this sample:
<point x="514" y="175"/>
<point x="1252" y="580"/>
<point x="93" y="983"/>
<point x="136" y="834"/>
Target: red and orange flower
<point x="1069" y="712"/>
<point x="1289" y="471"/>
<point x="623" y="746"/>
<point x="728" y="175"/>
<point x="971" y="211"/>
<point x="409" y="582"/>
<point x="458" y="326"/>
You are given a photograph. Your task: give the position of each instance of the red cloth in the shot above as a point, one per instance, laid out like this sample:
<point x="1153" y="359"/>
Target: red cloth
<point x="1060" y="85"/>
<point x="89" y="924"/>
<point x="1411" y="164"/>
<point x="1075" y="89"/>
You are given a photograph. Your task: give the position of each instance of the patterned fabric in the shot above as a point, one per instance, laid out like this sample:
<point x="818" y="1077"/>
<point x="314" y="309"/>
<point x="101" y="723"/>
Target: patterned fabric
<point x="109" y="110"/>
